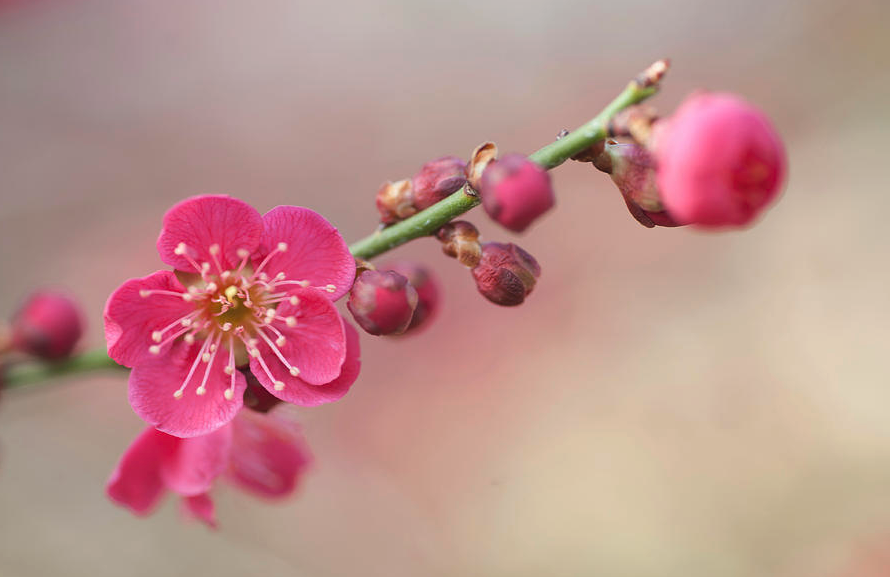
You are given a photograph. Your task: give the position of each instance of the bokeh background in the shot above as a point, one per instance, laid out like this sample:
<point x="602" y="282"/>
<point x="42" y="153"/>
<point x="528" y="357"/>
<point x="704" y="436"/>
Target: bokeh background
<point x="668" y="403"/>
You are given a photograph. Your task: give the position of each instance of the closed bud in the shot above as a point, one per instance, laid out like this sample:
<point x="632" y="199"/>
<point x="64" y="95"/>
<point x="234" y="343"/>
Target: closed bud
<point x="427" y="291"/>
<point x="720" y="161"/>
<point x="256" y="397"/>
<point x="506" y="274"/>
<point x="515" y="191"/>
<point x="460" y="239"/>
<point x="48" y="325"/>
<point x="395" y="201"/>
<point x="438" y="179"/>
<point x="632" y="169"/>
<point x="382" y="302"/>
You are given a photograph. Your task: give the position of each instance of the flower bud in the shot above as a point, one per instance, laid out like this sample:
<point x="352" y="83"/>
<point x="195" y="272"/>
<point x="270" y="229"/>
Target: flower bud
<point x="506" y="274"/>
<point x="382" y="302"/>
<point x="482" y="156"/>
<point x="438" y="179"/>
<point x="48" y="325"/>
<point x="427" y="291"/>
<point x="515" y="191"/>
<point x="632" y="169"/>
<point x="256" y="397"/>
<point x="720" y="161"/>
<point x="460" y="239"/>
<point x="395" y="201"/>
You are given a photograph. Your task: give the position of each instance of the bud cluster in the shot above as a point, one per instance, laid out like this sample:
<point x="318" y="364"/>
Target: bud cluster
<point x="435" y="181"/>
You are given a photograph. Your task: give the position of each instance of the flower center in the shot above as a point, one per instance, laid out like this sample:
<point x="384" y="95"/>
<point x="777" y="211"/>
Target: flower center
<point x="235" y="310"/>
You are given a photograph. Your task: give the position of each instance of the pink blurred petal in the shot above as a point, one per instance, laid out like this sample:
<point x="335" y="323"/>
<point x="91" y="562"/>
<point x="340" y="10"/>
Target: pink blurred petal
<point x="131" y="318"/>
<point x="202" y="221"/>
<point x="200" y="507"/>
<point x="315" y="250"/>
<point x="154" y="380"/>
<point x="316" y="345"/>
<point x="136" y="482"/>
<point x="197" y="462"/>
<point x="268" y="454"/>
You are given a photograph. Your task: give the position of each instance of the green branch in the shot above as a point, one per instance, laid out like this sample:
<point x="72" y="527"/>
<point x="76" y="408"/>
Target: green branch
<point x="20" y="375"/>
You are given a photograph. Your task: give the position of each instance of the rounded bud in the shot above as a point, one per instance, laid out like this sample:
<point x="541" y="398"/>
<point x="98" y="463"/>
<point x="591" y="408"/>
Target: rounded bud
<point x="437" y="179"/>
<point x="460" y="239"/>
<point x="427" y="291"/>
<point x="720" y="161"/>
<point x="395" y="201"/>
<point x="506" y="274"/>
<point x="256" y="396"/>
<point x="48" y="325"/>
<point x="382" y="302"/>
<point x="516" y="191"/>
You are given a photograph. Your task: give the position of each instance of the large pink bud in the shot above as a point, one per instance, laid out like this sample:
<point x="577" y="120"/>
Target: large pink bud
<point x="720" y="161"/>
<point x="437" y="179"/>
<point x="382" y="302"/>
<point x="48" y="325"/>
<point x="427" y="291"/>
<point x="516" y="191"/>
<point x="506" y="274"/>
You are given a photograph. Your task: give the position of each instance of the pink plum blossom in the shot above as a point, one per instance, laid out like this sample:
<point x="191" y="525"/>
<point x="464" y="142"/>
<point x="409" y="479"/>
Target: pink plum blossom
<point x="720" y="161"/>
<point x="261" y="454"/>
<point x="246" y="290"/>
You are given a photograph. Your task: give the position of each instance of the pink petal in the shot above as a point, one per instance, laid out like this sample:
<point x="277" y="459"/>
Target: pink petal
<point x="316" y="345"/>
<point x="136" y="482"/>
<point x="299" y="392"/>
<point x="153" y="382"/>
<point x="131" y="318"/>
<point x="200" y="507"/>
<point x="202" y="221"/>
<point x="199" y="460"/>
<point x="315" y="250"/>
<point x="268" y="454"/>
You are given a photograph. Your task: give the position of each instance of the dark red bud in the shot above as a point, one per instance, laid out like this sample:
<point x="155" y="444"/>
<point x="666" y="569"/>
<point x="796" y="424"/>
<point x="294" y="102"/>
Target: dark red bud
<point x="48" y="325"/>
<point x="256" y="397"/>
<point x="427" y="291"/>
<point x="438" y="179"/>
<point x="382" y="302"/>
<point x="516" y="191"/>
<point x="506" y="274"/>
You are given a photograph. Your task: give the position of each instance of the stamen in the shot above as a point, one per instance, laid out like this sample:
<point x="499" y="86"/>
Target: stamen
<point x="282" y="247"/>
<point x="243" y="254"/>
<point x="145" y="293"/>
<point x="330" y="288"/>
<point x="213" y="249"/>
<point x="294" y="371"/>
<point x="156" y="349"/>
<point x="178" y="393"/>
<point x="255" y="353"/>
<point x="182" y="250"/>
<point x="203" y="388"/>
<point x="229" y="393"/>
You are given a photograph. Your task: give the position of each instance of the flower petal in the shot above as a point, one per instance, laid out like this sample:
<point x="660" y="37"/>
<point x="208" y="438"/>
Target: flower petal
<point x="315" y="250"/>
<point x="131" y="318"/>
<point x="202" y="221"/>
<point x="136" y="481"/>
<point x="268" y="454"/>
<point x="299" y="392"/>
<point x="316" y="345"/>
<point x="200" y="507"/>
<point x="192" y="469"/>
<point x="154" y="381"/>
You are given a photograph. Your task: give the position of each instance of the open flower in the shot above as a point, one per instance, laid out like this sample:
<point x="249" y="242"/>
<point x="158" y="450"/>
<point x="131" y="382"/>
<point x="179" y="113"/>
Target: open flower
<point x="261" y="454"/>
<point x="247" y="289"/>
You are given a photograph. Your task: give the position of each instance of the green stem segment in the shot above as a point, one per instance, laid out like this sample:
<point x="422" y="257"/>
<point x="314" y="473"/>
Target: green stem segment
<point x="427" y="221"/>
<point x="21" y="375"/>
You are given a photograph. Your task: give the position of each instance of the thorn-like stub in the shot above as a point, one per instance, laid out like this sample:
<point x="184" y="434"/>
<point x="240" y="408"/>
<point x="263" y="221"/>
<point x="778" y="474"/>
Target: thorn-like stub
<point x="653" y="74"/>
<point x="481" y="157"/>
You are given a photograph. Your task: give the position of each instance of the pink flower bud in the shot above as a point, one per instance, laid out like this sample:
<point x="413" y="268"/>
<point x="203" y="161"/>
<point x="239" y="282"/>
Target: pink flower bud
<point x="427" y="291"/>
<point x="437" y="179"/>
<point x="506" y="274"/>
<point x="48" y="325"/>
<point x="382" y="302"/>
<point x="516" y="191"/>
<point x="720" y="161"/>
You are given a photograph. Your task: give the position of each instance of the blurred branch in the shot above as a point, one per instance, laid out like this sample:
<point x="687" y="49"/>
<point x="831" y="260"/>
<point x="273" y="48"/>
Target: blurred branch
<point x="428" y="221"/>
<point x="21" y="375"/>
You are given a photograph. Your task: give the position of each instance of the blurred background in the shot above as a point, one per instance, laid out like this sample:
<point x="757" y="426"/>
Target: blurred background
<point x="667" y="403"/>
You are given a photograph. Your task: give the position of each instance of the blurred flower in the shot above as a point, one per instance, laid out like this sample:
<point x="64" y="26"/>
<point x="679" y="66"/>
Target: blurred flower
<point x="437" y="179"/>
<point x="515" y="191"/>
<point x="246" y="289"/>
<point x="506" y="274"/>
<point x="427" y="289"/>
<point x="720" y="161"/>
<point x="262" y="454"/>
<point x="48" y="325"/>
<point x="382" y="302"/>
